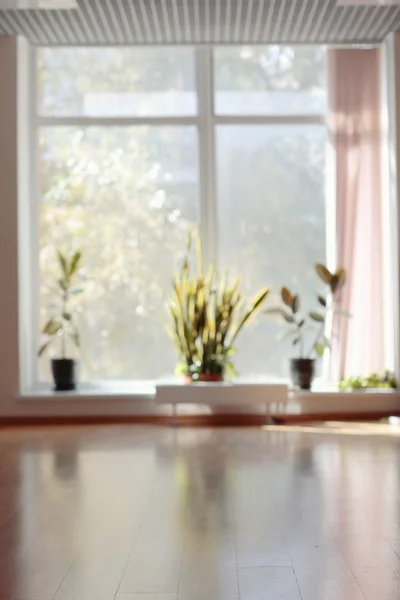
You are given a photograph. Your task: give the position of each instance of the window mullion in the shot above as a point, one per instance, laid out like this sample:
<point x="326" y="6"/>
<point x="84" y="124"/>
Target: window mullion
<point x="208" y="211"/>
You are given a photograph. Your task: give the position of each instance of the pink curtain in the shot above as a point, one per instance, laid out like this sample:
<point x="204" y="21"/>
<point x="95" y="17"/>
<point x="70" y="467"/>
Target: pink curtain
<point x="354" y="124"/>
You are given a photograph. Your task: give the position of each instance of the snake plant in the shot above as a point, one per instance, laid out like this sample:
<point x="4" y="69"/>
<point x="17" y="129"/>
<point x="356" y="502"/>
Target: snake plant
<point x="207" y="313"/>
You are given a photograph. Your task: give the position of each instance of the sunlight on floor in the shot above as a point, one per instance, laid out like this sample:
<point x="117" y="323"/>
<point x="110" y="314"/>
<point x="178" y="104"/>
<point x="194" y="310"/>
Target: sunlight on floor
<point x="341" y="428"/>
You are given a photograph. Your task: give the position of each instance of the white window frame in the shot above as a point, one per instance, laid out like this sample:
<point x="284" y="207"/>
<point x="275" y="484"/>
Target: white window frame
<point x="206" y="122"/>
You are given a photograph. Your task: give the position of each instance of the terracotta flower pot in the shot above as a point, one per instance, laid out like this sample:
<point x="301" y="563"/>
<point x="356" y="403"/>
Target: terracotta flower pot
<point x="204" y="377"/>
<point x="214" y="378"/>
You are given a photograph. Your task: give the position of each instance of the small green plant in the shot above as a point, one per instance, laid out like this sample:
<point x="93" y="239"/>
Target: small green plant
<point x="297" y="322"/>
<point x="207" y="314"/>
<point x="387" y="380"/>
<point x="62" y="326"/>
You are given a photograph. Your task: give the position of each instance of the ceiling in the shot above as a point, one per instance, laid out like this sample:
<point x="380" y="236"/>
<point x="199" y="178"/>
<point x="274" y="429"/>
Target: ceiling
<point x="198" y="21"/>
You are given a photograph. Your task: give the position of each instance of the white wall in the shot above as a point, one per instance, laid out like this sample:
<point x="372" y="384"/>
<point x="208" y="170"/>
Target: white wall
<point x="9" y="375"/>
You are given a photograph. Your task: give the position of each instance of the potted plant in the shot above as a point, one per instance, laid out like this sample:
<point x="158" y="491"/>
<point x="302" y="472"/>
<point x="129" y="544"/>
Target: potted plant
<point x="62" y="327"/>
<point x="302" y="368"/>
<point x="371" y="382"/>
<point x="207" y="314"/>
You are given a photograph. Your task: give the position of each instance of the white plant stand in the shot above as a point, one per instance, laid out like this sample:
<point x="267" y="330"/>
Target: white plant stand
<point x="224" y="394"/>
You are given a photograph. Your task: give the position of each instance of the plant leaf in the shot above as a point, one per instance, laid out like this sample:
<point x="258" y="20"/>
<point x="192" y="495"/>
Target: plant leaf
<point x="67" y="316"/>
<point x="334" y="284"/>
<point x="63" y="262"/>
<point x="295" y="303"/>
<point x="52" y="327"/>
<point x="76" y="291"/>
<point x="322" y="301"/>
<point x="319" y="348"/>
<point x="74" y="264"/>
<point x="296" y="341"/>
<point x="259" y="299"/>
<point x="43" y="347"/>
<point x="287" y="297"/>
<point x="317" y="317"/>
<point x="301" y="323"/>
<point x="341" y="277"/>
<point x="323" y="273"/>
<point x="288" y="318"/>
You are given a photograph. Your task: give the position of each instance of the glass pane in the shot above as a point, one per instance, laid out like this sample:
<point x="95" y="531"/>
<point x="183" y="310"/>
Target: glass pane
<point x="269" y="80"/>
<point x="127" y="198"/>
<point x="116" y="82"/>
<point x="271" y="211"/>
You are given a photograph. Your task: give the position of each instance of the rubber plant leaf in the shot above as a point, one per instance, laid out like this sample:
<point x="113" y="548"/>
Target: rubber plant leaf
<point x="323" y="273"/>
<point x="317" y="317"/>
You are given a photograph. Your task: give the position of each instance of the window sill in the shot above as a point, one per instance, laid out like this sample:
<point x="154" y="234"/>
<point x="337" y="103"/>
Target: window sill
<point x="134" y="390"/>
<point x="139" y="400"/>
<point x="148" y="390"/>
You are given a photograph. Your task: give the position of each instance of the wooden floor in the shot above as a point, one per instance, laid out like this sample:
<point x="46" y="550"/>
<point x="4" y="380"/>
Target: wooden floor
<point x="152" y="513"/>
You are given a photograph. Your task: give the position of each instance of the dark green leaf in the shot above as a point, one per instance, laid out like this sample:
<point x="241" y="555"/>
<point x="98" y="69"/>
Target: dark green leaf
<point x="301" y="323"/>
<point x="288" y="318"/>
<point x="295" y="304"/>
<point x="296" y="341"/>
<point x="74" y="264"/>
<point x="52" y="327"/>
<point x="322" y="301"/>
<point x="319" y="349"/>
<point x="63" y="262"/>
<point x="43" y="347"/>
<point x="67" y="316"/>
<point x="317" y="317"/>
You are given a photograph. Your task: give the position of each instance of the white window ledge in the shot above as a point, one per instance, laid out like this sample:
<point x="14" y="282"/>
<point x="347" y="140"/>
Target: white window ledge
<point x="142" y="398"/>
<point x="104" y="390"/>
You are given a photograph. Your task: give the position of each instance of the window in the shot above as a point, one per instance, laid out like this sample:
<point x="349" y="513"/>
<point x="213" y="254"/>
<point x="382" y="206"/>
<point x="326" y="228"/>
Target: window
<point x="127" y="197"/>
<point x="116" y="82"/>
<point x="271" y="216"/>
<point x="126" y="145"/>
<point x="270" y="80"/>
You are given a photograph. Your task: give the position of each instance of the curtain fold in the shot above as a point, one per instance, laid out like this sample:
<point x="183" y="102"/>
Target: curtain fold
<point x="355" y="132"/>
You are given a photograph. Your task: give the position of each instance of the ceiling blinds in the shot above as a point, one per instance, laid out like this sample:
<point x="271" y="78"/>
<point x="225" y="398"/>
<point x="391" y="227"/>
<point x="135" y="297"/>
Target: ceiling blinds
<point x="193" y="21"/>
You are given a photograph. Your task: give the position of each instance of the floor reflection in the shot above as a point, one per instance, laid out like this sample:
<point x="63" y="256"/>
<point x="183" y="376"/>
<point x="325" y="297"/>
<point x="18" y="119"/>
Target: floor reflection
<point x="66" y="464"/>
<point x="127" y="513"/>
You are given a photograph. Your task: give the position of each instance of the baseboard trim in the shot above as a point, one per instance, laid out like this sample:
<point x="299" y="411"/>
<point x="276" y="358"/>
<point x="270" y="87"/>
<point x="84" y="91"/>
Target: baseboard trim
<point x="226" y="420"/>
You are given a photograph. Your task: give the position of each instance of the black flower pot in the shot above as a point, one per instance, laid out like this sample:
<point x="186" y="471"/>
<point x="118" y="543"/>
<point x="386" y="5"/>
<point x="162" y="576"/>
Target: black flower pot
<point x="302" y="372"/>
<point x="64" y="372"/>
